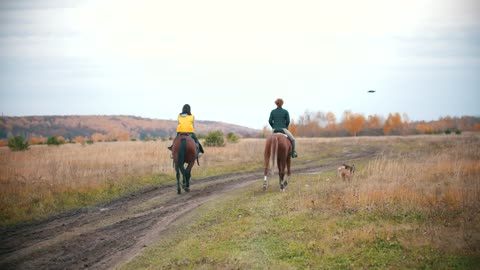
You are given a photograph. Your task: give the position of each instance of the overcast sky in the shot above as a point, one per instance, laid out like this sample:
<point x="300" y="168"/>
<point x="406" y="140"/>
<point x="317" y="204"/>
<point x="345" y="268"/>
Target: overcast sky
<point x="231" y="59"/>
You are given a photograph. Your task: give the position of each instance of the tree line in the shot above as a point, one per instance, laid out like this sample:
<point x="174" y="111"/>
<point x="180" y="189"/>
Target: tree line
<point x="320" y="124"/>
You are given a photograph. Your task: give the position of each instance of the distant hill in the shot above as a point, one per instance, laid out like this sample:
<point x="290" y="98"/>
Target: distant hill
<point x="78" y="125"/>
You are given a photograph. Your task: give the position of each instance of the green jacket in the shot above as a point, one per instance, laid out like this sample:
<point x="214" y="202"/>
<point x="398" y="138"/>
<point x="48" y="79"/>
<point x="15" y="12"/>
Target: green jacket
<point x="279" y="119"/>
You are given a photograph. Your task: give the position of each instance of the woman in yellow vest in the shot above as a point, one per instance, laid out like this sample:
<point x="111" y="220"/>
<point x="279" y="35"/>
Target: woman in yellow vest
<point x="186" y="122"/>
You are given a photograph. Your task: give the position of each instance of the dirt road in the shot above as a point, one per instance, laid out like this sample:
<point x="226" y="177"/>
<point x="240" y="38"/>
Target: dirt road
<point x="109" y="235"/>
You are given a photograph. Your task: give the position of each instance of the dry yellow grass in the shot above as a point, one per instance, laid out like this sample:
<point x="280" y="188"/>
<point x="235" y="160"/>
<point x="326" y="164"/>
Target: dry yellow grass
<point x="48" y="179"/>
<point x="77" y="165"/>
<point x="431" y="193"/>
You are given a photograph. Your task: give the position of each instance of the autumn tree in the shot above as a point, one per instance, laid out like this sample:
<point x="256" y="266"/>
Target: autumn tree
<point x="309" y="124"/>
<point x="393" y="122"/>
<point x="445" y="123"/>
<point x="331" y="121"/>
<point x="424" y="128"/>
<point x="61" y="139"/>
<point x="79" y="139"/>
<point x="353" y="122"/>
<point x="266" y="131"/>
<point x="464" y="123"/>
<point x="122" y="136"/>
<point x="293" y="128"/>
<point x="98" y="137"/>
<point x="374" y="121"/>
<point x="37" y="140"/>
<point x="405" y="124"/>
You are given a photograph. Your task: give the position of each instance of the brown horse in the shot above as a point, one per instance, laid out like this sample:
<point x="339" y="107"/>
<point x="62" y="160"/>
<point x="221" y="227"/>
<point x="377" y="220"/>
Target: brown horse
<point x="278" y="150"/>
<point x="184" y="151"/>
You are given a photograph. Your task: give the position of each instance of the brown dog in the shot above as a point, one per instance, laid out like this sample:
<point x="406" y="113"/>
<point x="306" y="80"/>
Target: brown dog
<point x="346" y="171"/>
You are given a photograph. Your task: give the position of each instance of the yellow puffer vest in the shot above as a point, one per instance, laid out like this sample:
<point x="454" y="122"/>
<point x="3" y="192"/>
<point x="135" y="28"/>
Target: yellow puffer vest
<point x="185" y="123"/>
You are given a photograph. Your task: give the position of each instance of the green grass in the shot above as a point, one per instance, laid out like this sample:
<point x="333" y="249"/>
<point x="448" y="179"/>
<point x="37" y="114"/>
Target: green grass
<point x="260" y="231"/>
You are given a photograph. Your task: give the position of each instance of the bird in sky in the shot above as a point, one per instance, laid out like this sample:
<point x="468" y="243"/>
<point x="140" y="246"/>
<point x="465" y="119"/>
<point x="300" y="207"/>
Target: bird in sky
<point x="371" y="91"/>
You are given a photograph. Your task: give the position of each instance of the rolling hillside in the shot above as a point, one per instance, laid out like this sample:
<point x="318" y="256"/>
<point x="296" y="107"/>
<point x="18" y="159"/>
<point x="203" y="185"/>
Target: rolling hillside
<point x="136" y="127"/>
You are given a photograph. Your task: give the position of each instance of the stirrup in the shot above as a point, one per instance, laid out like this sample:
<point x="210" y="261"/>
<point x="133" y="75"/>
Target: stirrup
<point x="294" y="155"/>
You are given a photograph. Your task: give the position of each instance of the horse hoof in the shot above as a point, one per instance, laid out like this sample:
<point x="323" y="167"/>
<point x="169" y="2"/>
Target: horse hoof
<point x="187" y="189"/>
<point x="264" y="188"/>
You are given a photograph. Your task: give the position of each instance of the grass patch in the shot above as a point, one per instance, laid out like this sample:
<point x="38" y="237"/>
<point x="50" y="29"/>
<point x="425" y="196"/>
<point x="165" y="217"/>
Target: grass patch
<point x="40" y="201"/>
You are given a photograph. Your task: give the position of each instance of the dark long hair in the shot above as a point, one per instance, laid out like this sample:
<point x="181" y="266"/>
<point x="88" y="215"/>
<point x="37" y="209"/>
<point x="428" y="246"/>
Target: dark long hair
<point x="186" y="109"/>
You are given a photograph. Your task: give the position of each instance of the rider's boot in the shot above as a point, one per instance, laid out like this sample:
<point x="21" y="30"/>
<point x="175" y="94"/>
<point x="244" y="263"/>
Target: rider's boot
<point x="294" y="153"/>
<point x="199" y="147"/>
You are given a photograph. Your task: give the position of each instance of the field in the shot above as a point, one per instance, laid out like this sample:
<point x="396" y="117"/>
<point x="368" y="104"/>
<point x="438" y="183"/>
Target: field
<point x="46" y="180"/>
<point x="413" y="203"/>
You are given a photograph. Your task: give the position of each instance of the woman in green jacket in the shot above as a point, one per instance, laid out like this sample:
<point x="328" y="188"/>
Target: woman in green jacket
<point x="279" y="121"/>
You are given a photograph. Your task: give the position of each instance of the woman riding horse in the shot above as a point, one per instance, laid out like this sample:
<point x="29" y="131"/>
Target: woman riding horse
<point x="186" y="122"/>
<point x="277" y="152"/>
<point x="279" y="121"/>
<point x="184" y="151"/>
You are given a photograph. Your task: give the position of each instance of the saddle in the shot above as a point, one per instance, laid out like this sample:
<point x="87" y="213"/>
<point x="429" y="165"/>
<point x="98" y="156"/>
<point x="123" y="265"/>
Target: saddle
<point x="281" y="133"/>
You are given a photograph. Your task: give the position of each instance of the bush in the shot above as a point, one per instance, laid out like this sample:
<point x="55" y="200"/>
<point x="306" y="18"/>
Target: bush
<point x="458" y="132"/>
<point x="214" y="138"/>
<point x="53" y="141"/>
<point x="17" y="143"/>
<point x="232" y="137"/>
<point x="448" y="131"/>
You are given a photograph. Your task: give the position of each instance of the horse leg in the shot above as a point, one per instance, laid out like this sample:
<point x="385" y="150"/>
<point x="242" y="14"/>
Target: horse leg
<point x="184" y="179"/>
<point x="179" y="191"/>
<point x="281" y="175"/>
<point x="187" y="184"/>
<point x="288" y="172"/>
<point x="280" y="181"/>
<point x="188" y="175"/>
<point x="265" y="173"/>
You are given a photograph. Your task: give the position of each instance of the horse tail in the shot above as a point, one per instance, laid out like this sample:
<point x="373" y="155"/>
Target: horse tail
<point x="273" y="154"/>
<point x="181" y="154"/>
